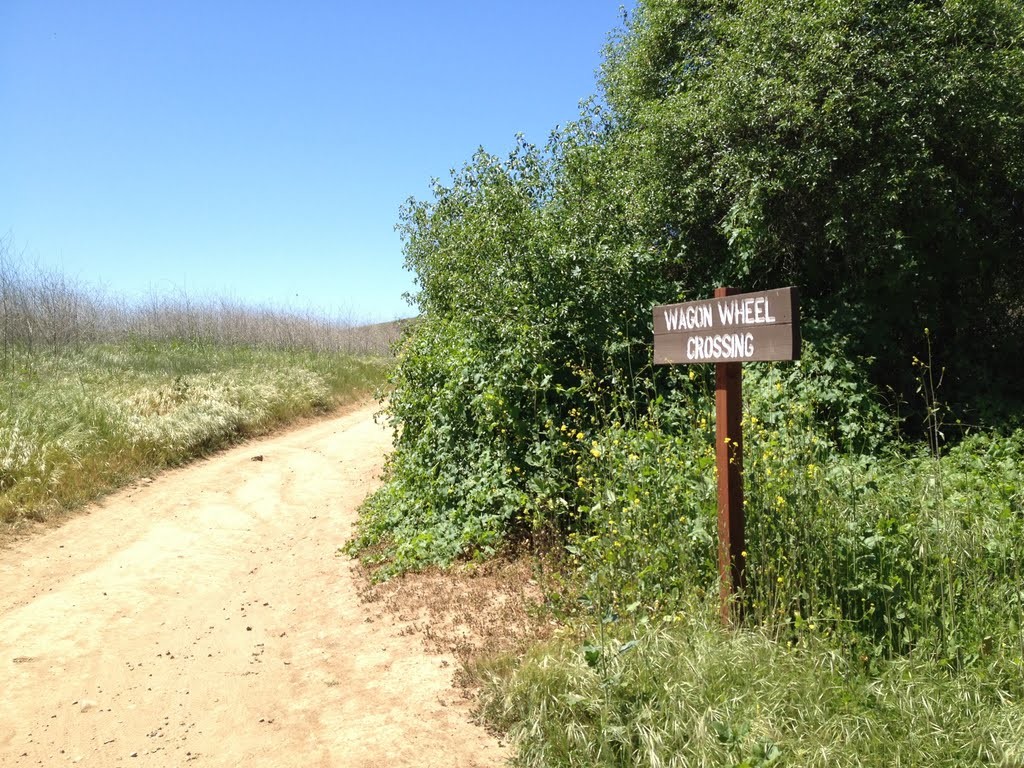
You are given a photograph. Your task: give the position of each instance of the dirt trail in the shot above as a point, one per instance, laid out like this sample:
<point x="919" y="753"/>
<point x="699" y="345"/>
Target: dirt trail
<point x="206" y="618"/>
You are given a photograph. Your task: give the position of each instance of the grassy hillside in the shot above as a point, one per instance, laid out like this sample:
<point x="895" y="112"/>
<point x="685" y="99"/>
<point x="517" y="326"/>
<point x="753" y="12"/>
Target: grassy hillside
<point x="95" y="393"/>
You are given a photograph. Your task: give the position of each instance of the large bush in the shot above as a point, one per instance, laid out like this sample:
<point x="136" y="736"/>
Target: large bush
<point x="535" y="316"/>
<point x="871" y="152"/>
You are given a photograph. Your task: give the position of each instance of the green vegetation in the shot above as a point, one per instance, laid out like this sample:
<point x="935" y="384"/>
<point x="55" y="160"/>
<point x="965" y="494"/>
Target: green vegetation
<point x="81" y="423"/>
<point x="538" y="272"/>
<point x="86" y="407"/>
<point x="689" y="694"/>
<point x="868" y="151"/>
<point x="886" y="553"/>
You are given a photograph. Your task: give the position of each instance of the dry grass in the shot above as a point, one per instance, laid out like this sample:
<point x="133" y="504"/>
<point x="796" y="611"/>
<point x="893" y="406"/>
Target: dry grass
<point x="482" y="613"/>
<point x="45" y="311"/>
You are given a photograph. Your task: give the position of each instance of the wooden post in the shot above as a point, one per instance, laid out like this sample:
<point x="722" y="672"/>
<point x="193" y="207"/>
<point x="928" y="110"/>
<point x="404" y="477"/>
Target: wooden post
<point x="728" y="330"/>
<point x="729" y="461"/>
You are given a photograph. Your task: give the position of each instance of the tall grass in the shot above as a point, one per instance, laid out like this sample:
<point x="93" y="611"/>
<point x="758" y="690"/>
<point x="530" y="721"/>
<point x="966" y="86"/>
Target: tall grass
<point x="884" y="621"/>
<point x="45" y="311"/>
<point x="690" y="694"/>
<point x="94" y="392"/>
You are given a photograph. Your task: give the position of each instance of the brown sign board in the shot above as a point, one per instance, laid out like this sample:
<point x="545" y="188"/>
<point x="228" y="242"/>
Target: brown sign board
<point x="744" y="327"/>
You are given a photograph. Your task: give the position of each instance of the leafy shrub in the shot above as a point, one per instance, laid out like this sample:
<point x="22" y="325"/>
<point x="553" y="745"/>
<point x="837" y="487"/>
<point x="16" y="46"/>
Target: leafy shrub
<point x="529" y="322"/>
<point x="647" y="486"/>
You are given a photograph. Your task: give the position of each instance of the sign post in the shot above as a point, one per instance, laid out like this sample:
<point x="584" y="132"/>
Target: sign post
<point x="732" y="549"/>
<point x="729" y="330"/>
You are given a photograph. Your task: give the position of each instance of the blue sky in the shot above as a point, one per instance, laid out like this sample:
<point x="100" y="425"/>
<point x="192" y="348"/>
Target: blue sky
<point x="261" y="150"/>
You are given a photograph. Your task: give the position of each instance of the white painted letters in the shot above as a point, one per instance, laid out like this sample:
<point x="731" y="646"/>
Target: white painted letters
<point x="737" y="328"/>
<point x="725" y="346"/>
<point x="753" y="311"/>
<point x="688" y="318"/>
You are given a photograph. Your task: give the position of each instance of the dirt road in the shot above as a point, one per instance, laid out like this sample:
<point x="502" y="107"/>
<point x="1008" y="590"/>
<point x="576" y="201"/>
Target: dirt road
<point x="206" y="618"/>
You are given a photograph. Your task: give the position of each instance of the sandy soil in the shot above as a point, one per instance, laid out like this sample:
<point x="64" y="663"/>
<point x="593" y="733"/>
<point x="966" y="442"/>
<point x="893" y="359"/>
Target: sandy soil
<point x="206" y="618"/>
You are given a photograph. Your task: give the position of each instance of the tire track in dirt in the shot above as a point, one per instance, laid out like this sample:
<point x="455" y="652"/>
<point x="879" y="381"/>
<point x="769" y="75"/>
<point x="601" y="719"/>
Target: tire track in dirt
<point x="206" y="618"/>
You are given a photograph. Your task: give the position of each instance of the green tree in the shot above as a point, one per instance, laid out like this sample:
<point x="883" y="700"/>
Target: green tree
<point x="869" y="151"/>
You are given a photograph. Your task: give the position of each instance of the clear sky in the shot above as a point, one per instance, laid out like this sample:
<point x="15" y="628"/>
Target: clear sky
<point x="261" y="150"/>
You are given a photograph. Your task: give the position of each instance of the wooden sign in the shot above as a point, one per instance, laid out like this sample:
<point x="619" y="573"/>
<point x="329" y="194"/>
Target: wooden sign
<point x="739" y="328"/>
<point x="728" y="330"/>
